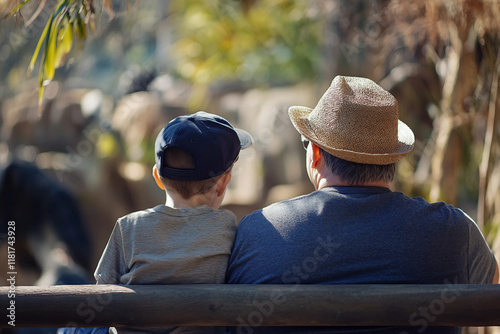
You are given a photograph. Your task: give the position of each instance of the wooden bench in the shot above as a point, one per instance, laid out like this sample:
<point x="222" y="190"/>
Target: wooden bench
<point x="251" y="305"/>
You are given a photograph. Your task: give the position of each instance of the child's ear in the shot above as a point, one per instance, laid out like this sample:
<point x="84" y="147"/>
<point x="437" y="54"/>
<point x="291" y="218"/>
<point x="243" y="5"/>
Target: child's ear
<point x="157" y="178"/>
<point x="222" y="183"/>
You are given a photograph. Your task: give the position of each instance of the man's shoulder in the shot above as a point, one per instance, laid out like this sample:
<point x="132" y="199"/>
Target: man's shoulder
<point x="442" y="208"/>
<point x="286" y="207"/>
<point x="401" y="203"/>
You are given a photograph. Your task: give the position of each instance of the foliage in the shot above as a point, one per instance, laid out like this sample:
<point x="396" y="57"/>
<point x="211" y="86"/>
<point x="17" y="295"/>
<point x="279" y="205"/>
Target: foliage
<point x="67" y="25"/>
<point x="461" y="39"/>
<point x="251" y="41"/>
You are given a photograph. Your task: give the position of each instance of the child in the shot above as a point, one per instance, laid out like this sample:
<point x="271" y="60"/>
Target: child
<point x="187" y="240"/>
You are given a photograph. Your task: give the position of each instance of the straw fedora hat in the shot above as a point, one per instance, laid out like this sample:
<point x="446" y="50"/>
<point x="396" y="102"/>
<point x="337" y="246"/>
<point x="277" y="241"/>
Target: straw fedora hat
<point x="356" y="120"/>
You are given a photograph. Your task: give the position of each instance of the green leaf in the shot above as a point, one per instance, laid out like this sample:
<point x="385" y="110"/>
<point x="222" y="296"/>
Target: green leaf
<point x="45" y="35"/>
<point x="50" y="60"/>
<point x="64" y="40"/>
<point x="41" y="87"/>
<point x="61" y="12"/>
<point x="50" y="50"/>
<point x="39" y="45"/>
<point x="67" y="38"/>
<point x="82" y="29"/>
<point x="59" y="53"/>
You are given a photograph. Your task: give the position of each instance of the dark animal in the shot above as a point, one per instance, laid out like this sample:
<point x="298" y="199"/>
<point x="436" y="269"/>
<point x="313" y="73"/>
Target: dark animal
<point x="35" y="201"/>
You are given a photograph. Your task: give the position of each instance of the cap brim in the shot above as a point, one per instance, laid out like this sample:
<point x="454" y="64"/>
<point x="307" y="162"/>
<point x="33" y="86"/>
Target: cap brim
<point x="246" y="139"/>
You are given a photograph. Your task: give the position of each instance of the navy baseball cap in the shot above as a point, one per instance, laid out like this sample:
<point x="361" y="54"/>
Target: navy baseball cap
<point x="211" y="141"/>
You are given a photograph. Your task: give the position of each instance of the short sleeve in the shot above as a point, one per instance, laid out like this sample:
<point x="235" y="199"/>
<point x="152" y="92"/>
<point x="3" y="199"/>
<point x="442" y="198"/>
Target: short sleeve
<point x="112" y="265"/>
<point x="481" y="261"/>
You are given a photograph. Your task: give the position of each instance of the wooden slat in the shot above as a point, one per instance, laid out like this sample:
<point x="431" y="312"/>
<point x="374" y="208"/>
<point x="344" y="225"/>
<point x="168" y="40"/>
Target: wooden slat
<point x="254" y="305"/>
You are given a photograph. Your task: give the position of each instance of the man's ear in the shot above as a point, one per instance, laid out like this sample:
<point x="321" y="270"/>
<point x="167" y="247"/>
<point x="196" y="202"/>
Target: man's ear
<point x="222" y="183"/>
<point x="316" y="155"/>
<point x="157" y="178"/>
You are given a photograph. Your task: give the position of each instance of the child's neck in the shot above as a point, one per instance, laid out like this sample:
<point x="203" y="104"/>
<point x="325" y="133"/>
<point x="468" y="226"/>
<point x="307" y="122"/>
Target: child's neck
<point x="176" y="201"/>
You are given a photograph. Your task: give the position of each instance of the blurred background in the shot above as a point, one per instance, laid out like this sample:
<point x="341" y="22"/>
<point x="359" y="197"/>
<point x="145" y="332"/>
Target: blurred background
<point x="82" y="157"/>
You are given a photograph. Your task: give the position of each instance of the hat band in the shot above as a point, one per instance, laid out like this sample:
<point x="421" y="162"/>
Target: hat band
<point x="178" y="173"/>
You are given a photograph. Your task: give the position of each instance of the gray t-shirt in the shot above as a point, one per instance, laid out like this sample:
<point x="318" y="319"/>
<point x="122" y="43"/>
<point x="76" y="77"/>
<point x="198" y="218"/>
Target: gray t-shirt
<point x="163" y="245"/>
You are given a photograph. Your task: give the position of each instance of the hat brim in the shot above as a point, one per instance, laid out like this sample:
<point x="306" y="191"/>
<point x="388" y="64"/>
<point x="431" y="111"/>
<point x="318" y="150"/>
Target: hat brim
<point x="246" y="139"/>
<point x="300" y="119"/>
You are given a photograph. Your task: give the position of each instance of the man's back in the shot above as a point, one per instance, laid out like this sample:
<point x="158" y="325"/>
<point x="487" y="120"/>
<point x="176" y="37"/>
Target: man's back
<point x="359" y="235"/>
<point x="351" y="235"/>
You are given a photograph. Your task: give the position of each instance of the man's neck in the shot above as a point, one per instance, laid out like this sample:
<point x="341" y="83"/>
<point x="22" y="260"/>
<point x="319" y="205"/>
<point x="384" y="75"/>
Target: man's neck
<point x="335" y="181"/>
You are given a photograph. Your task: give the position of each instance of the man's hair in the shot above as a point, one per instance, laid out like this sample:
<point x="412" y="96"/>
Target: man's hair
<point x="355" y="173"/>
<point x="177" y="158"/>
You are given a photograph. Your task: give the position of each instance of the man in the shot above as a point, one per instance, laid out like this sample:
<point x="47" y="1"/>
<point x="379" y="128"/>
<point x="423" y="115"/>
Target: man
<point x="353" y="228"/>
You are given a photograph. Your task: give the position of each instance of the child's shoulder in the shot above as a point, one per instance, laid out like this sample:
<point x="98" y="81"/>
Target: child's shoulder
<point x="139" y="215"/>
<point x="225" y="213"/>
<point x="160" y="213"/>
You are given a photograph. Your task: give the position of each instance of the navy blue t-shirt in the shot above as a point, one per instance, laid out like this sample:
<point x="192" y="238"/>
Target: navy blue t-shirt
<point x="365" y="235"/>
